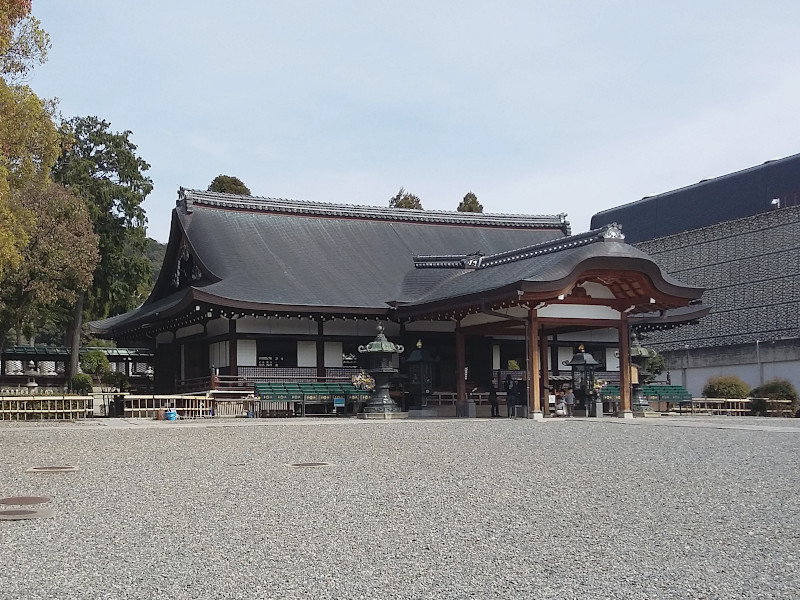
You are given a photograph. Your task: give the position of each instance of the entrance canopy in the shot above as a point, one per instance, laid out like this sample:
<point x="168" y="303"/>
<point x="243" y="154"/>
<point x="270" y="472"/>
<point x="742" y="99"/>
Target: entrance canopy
<point x="586" y="280"/>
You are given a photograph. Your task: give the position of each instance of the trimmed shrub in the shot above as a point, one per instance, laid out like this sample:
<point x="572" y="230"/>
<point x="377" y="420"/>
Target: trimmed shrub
<point x="95" y="363"/>
<point x="81" y="383"/>
<point x="774" y="389"/>
<point x="726" y="386"/>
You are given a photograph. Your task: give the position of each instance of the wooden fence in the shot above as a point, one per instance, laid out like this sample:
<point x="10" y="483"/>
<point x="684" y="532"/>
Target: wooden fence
<point x="40" y="408"/>
<point x="187" y="407"/>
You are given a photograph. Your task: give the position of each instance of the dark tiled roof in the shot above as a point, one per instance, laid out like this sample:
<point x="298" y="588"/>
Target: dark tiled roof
<point x="732" y="196"/>
<point x="44" y="352"/>
<point x="282" y="254"/>
<point x="546" y="265"/>
<point x="306" y="254"/>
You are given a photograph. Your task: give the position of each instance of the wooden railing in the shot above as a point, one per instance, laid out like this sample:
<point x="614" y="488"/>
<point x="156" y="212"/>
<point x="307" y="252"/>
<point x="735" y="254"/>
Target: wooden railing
<point x="39" y="408"/>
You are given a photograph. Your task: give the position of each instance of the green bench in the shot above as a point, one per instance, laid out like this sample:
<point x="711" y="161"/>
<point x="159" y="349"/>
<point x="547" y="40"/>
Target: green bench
<point x="306" y="393"/>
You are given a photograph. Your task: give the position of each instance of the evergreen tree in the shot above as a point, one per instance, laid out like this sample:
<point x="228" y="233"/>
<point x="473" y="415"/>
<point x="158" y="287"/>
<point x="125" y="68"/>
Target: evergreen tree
<point x="470" y="204"/>
<point x="102" y="167"/>
<point x="227" y="184"/>
<point x="404" y="199"/>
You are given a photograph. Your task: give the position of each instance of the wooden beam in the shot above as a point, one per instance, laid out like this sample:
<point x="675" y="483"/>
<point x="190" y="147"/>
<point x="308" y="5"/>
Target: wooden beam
<point x="534" y="393"/>
<point x="584" y="323"/>
<point x="545" y="374"/>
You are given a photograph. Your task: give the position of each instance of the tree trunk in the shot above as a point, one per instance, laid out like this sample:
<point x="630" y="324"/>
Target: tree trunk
<point x="74" y="340"/>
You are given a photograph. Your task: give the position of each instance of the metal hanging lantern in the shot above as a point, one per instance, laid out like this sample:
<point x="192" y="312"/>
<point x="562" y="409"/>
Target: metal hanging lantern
<point x="381" y="352"/>
<point x="583" y="366"/>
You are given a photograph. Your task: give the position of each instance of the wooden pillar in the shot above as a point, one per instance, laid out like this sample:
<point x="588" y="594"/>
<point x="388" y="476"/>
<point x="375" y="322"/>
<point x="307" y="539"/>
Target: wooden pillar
<point x="461" y="364"/>
<point x="233" y="349"/>
<point x="624" y="365"/>
<point x="545" y="374"/>
<point x="532" y="337"/>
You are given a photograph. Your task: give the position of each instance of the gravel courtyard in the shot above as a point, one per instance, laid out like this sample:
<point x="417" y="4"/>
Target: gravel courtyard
<point x="674" y="507"/>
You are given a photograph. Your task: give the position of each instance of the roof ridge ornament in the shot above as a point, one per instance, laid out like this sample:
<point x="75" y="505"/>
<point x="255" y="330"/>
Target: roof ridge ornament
<point x="613" y="232"/>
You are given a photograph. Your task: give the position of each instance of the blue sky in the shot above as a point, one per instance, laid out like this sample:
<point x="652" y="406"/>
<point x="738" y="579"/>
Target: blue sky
<point x="537" y="107"/>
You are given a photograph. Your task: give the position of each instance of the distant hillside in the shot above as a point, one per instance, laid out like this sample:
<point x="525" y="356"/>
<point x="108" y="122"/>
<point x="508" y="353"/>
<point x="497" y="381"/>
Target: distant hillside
<point x="155" y="254"/>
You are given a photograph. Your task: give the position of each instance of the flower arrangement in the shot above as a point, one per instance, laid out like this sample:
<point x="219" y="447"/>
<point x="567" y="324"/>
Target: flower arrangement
<point x="363" y="381"/>
<point x="599" y="384"/>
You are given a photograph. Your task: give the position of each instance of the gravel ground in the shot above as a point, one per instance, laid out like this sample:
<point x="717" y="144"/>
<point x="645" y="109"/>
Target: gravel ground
<point x="504" y="508"/>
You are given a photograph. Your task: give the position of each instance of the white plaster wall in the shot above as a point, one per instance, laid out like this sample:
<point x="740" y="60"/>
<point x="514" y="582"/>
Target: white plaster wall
<point x="359" y="327"/>
<point x="340" y="327"/>
<point x="276" y="326"/>
<point x="165" y="337"/>
<point x="596" y="290"/>
<point x="306" y="354"/>
<point x="495" y="357"/>
<point x="591" y="335"/>
<point x="246" y="353"/>
<point x="217" y="327"/>
<point x="435" y="326"/>
<point x="333" y="354"/>
<point x="564" y="354"/>
<point x="189" y="331"/>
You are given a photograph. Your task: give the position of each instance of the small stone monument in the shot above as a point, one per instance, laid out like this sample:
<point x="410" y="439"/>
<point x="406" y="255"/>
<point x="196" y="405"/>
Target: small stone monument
<point x="381" y="353"/>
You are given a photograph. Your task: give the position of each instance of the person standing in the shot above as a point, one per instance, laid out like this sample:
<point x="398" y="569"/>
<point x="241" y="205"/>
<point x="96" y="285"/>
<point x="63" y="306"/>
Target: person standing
<point x="569" y="400"/>
<point x="493" y="400"/>
<point x="511" y="395"/>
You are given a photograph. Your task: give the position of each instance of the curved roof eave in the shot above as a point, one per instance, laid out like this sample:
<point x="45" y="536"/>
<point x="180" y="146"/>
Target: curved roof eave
<point x="545" y="283"/>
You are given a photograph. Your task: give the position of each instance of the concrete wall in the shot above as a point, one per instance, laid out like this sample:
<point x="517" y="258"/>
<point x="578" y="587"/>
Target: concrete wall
<point x="753" y="363"/>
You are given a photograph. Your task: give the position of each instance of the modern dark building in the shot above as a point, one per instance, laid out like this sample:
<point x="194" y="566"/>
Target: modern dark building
<point x="753" y="191"/>
<point x="738" y="236"/>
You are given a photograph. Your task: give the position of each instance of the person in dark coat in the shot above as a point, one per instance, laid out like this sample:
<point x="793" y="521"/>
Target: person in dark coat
<point x="510" y="388"/>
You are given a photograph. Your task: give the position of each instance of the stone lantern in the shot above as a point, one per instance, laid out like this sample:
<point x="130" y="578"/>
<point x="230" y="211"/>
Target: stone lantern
<point x="31" y="373"/>
<point x="583" y="365"/>
<point x="381" y="353"/>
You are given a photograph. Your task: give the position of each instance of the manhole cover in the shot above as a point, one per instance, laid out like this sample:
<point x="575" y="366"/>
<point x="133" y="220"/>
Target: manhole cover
<point x="24" y="500"/>
<point x="21" y="514"/>
<point x="310" y="464"/>
<point x="58" y="469"/>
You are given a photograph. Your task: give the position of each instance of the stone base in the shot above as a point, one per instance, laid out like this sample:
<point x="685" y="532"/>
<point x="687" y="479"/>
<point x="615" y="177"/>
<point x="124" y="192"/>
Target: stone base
<point x="626" y="414"/>
<point x="647" y="414"/>
<point x="383" y="415"/>
<point x="536" y="416"/>
<point x="422" y="413"/>
<point x="466" y="409"/>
